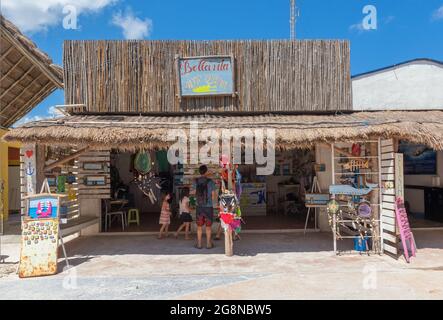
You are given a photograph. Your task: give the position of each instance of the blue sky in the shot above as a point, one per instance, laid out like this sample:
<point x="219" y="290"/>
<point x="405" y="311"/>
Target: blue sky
<point x="406" y="29"/>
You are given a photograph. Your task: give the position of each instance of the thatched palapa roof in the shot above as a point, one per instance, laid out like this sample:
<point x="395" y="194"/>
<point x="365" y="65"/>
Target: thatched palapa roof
<point x="130" y="132"/>
<point x="27" y="74"/>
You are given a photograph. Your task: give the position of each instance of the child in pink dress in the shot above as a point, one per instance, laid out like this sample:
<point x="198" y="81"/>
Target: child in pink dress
<point x="165" y="216"/>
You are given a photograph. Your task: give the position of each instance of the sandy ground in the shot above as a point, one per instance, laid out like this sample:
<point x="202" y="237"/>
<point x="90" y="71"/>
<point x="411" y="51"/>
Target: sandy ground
<point x="265" y="266"/>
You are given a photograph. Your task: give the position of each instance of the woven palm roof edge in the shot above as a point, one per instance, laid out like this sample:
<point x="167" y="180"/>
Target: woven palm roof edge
<point x="303" y="131"/>
<point x="45" y="61"/>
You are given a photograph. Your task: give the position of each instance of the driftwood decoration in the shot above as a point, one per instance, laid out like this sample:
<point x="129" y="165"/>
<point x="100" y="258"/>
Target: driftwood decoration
<point x="272" y="75"/>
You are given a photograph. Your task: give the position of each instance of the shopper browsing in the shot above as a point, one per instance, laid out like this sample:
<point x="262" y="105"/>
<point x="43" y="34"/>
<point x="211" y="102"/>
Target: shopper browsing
<point x="185" y="214"/>
<point x="204" y="189"/>
<point x="165" y="215"/>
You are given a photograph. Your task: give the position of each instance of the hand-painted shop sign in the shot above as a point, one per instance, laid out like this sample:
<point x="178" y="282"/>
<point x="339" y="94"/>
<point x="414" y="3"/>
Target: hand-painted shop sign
<point x="43" y="206"/>
<point x="205" y="76"/>
<point x="40" y="233"/>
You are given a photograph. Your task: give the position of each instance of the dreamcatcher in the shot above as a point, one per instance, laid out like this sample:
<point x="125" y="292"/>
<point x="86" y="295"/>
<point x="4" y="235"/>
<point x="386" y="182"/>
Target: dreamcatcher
<point x="150" y="185"/>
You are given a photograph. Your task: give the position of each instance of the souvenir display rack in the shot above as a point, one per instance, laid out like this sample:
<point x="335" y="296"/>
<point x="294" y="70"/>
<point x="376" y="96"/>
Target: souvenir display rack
<point x="356" y="190"/>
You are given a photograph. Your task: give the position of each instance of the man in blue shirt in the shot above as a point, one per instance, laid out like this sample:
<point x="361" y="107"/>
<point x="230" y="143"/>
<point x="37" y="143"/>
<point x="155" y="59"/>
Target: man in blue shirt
<point x="204" y="189"/>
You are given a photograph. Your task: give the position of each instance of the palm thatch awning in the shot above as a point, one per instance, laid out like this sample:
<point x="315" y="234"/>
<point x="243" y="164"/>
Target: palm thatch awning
<point x="27" y="74"/>
<point x="130" y="132"/>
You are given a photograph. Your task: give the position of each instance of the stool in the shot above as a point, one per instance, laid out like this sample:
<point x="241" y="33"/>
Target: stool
<point x="133" y="216"/>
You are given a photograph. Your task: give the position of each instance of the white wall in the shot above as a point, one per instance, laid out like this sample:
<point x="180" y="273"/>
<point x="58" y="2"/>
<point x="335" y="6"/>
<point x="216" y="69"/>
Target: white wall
<point x="415" y="197"/>
<point x="415" y="85"/>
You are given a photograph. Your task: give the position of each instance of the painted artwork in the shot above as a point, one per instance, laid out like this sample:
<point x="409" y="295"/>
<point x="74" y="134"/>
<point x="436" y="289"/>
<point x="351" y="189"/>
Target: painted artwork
<point x="203" y="76"/>
<point x="44" y="206"/>
<point x="316" y="199"/>
<point x="253" y="199"/>
<point x="39" y="242"/>
<point x="95" y="181"/>
<point x="418" y="159"/>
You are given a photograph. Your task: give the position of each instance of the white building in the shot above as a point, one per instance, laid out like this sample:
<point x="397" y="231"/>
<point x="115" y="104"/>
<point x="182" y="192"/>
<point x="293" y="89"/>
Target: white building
<point x="414" y="84"/>
<point x="410" y="85"/>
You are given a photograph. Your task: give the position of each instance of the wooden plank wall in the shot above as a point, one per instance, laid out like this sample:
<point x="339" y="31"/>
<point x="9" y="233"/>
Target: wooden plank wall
<point x="93" y="192"/>
<point x="72" y="205"/>
<point x="388" y="221"/>
<point x="272" y="75"/>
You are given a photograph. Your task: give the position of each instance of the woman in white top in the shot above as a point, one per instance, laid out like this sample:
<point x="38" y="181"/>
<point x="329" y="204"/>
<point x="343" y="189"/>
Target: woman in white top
<point x="185" y="214"/>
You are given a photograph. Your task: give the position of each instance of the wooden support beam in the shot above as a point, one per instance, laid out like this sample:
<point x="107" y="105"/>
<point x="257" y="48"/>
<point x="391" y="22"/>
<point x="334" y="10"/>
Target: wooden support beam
<point x="24" y="109"/>
<point x="14" y="66"/>
<point x="19" y="95"/>
<point x="4" y="54"/>
<point x="44" y="69"/>
<point x="58" y="163"/>
<point x="16" y="82"/>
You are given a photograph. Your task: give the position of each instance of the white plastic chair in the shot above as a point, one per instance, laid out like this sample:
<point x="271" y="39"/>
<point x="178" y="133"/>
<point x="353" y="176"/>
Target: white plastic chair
<point x="109" y="214"/>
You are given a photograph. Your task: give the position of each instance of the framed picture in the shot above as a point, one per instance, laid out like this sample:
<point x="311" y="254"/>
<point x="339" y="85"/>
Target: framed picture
<point x="52" y="181"/>
<point x="93" y="166"/>
<point x="316" y="199"/>
<point x="42" y="206"/>
<point x="95" y="180"/>
<point x="418" y="159"/>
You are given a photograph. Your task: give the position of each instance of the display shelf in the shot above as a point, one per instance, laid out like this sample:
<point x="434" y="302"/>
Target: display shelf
<point x="355" y="173"/>
<point x="347" y="224"/>
<point x="364" y="157"/>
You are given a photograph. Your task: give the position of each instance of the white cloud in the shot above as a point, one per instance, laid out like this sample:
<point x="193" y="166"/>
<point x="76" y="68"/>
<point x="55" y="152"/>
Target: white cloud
<point x="357" y="27"/>
<point x="438" y="14"/>
<point x="27" y="119"/>
<point x="51" y="113"/>
<point x="38" y="15"/>
<point x="132" y="26"/>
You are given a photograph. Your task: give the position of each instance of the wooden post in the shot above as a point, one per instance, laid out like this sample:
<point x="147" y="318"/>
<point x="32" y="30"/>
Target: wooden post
<point x="375" y="196"/>
<point x="229" y="246"/>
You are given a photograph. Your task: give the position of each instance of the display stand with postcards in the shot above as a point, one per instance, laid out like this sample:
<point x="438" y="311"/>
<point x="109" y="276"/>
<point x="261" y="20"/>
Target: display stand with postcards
<point x="41" y="234"/>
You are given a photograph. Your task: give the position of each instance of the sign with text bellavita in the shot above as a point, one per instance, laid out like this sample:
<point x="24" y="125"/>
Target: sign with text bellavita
<point x="205" y="76"/>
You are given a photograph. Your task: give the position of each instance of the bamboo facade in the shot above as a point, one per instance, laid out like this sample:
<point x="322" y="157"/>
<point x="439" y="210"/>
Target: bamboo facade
<point x="272" y="75"/>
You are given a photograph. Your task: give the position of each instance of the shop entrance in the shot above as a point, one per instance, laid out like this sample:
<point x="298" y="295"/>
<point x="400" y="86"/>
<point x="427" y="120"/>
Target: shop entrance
<point x="423" y="171"/>
<point x="273" y="202"/>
